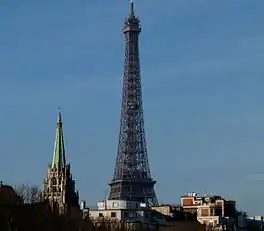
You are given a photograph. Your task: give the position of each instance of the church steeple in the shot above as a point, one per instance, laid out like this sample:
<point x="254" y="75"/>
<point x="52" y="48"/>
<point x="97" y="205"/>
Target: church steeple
<point x="59" y="187"/>
<point x="59" y="159"/>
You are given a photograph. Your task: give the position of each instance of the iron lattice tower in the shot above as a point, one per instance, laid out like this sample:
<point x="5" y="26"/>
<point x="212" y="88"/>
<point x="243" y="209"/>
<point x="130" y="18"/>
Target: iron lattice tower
<point x="132" y="179"/>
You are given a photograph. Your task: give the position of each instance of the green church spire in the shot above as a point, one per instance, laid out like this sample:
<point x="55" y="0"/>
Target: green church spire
<point x="59" y="159"/>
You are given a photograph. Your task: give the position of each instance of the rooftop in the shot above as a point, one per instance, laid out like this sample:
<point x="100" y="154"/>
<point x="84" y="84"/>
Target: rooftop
<point x="8" y="194"/>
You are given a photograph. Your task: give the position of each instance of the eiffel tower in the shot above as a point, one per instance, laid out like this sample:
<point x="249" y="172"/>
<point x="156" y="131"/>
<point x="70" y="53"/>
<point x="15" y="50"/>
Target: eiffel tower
<point x="132" y="180"/>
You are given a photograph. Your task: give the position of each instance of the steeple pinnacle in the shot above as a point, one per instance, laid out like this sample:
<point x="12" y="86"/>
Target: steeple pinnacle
<point x="59" y="159"/>
<point x="59" y="120"/>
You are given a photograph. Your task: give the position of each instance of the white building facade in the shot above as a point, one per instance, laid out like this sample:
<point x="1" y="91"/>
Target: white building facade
<point x="120" y="210"/>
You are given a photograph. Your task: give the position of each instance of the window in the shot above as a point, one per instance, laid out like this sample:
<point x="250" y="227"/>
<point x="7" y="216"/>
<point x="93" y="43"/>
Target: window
<point x="101" y="215"/>
<point x="113" y="214"/>
<point x="54" y="181"/>
<point x="211" y="212"/>
<point x="125" y="214"/>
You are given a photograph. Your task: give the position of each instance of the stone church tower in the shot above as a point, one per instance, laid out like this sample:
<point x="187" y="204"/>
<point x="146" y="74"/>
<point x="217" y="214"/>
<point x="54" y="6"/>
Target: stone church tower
<point x="59" y="187"/>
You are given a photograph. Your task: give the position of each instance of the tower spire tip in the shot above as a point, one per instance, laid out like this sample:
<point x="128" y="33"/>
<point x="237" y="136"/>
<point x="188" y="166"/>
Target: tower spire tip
<point x="59" y="116"/>
<point x="59" y="159"/>
<point x="132" y="7"/>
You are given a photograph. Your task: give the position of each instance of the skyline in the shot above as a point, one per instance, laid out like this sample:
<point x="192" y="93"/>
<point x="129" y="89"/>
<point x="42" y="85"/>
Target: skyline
<point x="202" y="91"/>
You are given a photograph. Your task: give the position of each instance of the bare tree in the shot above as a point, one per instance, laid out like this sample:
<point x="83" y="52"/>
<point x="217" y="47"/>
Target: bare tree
<point x="29" y="194"/>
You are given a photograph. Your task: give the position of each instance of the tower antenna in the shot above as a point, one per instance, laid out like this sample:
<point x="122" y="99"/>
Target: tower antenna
<point x="132" y="7"/>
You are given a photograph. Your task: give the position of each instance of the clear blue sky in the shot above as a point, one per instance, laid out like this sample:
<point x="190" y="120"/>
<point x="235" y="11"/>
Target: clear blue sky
<point x="203" y="79"/>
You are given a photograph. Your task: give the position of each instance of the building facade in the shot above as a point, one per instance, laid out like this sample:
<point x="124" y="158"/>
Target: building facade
<point x="210" y="209"/>
<point x="169" y="210"/>
<point x="59" y="187"/>
<point x="120" y="210"/>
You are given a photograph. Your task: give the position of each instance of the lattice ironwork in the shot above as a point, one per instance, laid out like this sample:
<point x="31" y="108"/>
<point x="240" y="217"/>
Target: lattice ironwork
<point x="132" y="179"/>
